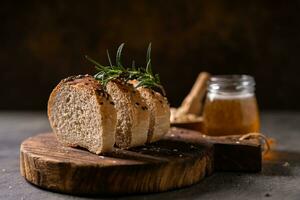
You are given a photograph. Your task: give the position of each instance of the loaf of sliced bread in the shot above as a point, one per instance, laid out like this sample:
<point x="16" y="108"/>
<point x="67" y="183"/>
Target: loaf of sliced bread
<point x="159" y="112"/>
<point x="132" y="114"/>
<point x="82" y="114"/>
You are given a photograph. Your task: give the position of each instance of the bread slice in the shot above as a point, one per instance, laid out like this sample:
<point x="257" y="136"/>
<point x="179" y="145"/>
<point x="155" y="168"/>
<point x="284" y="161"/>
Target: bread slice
<point x="159" y="112"/>
<point x="82" y="114"/>
<point x="132" y="115"/>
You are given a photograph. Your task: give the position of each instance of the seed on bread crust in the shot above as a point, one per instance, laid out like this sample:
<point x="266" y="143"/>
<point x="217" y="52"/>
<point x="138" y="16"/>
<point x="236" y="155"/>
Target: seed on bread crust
<point x="72" y="78"/>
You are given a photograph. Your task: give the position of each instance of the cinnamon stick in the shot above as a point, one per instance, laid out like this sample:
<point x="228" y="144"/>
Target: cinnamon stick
<point x="192" y="104"/>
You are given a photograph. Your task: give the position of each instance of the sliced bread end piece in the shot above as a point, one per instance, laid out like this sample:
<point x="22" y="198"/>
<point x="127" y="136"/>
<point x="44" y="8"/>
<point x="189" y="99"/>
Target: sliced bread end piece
<point x="82" y="114"/>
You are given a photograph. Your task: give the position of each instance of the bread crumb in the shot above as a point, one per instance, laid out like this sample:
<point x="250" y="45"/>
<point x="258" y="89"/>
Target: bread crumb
<point x="267" y="195"/>
<point x="3" y="170"/>
<point x="9" y="187"/>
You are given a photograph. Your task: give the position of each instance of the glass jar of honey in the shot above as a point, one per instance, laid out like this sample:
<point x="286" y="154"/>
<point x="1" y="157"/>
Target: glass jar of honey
<point x="230" y="106"/>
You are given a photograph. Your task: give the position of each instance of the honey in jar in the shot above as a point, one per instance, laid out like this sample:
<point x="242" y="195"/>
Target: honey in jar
<point x="230" y="106"/>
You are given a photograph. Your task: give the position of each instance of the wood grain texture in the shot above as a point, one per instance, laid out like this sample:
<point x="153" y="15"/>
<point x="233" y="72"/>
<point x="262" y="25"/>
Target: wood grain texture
<point x="229" y="153"/>
<point x="160" y="166"/>
<point x="182" y="158"/>
<point x="196" y="125"/>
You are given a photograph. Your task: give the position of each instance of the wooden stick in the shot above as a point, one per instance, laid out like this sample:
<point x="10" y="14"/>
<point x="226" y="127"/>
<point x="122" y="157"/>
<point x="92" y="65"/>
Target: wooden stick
<point x="192" y="103"/>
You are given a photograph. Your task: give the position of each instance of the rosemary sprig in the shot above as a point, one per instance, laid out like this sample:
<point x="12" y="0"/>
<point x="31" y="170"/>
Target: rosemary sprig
<point x="144" y="76"/>
<point x="147" y="78"/>
<point x="105" y="73"/>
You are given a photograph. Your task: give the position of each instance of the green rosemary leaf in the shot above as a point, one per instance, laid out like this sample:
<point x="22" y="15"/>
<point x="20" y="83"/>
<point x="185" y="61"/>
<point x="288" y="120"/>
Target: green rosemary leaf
<point x="148" y="59"/>
<point x="148" y="67"/>
<point x="118" y="56"/>
<point x="94" y="62"/>
<point x="108" y="56"/>
<point x="157" y="78"/>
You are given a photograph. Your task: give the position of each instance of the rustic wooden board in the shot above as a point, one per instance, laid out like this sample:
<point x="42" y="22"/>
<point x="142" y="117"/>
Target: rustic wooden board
<point x="182" y="158"/>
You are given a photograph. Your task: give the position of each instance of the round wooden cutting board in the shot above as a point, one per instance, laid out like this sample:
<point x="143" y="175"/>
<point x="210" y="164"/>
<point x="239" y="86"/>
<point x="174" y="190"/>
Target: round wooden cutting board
<point x="175" y="161"/>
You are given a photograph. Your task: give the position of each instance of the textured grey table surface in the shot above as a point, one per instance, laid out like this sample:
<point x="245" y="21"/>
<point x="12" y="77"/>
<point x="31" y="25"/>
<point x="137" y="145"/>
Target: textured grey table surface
<point x="279" y="179"/>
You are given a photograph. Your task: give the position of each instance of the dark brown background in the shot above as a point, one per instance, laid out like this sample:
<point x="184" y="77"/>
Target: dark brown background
<point x="42" y="42"/>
